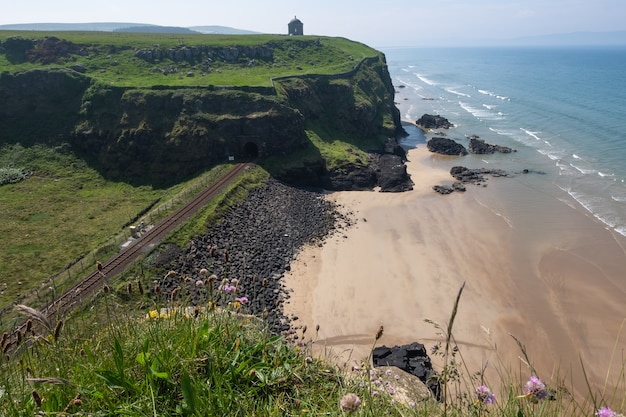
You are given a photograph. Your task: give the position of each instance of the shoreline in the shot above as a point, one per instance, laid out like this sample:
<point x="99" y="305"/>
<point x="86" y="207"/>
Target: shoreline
<point x="407" y="254"/>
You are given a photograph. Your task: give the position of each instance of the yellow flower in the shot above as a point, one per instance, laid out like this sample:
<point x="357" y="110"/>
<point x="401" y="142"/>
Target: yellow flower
<point x="153" y="314"/>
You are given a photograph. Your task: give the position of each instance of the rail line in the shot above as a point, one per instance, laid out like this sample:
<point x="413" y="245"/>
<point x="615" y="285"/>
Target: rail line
<point x="118" y="263"/>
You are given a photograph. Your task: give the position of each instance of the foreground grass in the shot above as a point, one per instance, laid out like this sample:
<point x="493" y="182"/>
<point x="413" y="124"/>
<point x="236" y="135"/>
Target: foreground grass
<point x="130" y="355"/>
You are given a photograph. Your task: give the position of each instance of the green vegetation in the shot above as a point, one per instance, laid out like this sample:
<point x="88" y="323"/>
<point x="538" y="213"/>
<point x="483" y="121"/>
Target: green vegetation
<point x="109" y="57"/>
<point x="127" y="354"/>
<point x="65" y="214"/>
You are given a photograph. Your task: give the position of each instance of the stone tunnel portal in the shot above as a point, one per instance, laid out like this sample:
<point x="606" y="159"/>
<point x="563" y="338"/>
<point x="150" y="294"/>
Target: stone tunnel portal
<point x="250" y="150"/>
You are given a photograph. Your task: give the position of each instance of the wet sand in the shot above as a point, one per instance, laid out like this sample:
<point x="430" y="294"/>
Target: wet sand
<point x="548" y="274"/>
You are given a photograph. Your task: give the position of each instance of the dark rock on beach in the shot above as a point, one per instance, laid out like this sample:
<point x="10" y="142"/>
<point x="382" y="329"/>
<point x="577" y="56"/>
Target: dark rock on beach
<point x="392" y="174"/>
<point x="475" y="176"/>
<point x="412" y="359"/>
<point x="479" y="146"/>
<point x="428" y="121"/>
<point x="254" y="244"/>
<point x="445" y="146"/>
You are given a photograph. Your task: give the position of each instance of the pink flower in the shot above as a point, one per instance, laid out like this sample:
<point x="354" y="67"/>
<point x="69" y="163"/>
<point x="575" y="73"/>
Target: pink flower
<point x="485" y="395"/>
<point x="228" y="288"/>
<point x="350" y="403"/>
<point x="536" y="389"/>
<point x="606" y="412"/>
<point x="242" y="300"/>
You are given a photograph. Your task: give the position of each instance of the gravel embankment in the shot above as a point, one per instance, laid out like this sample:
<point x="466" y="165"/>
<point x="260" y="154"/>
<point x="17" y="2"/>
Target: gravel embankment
<point x="254" y="245"/>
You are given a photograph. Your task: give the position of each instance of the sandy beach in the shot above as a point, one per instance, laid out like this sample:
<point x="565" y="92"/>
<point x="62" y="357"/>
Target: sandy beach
<point x="552" y="276"/>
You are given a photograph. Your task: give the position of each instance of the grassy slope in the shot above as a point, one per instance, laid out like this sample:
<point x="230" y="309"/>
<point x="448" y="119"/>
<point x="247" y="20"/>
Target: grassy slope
<point x="110" y="58"/>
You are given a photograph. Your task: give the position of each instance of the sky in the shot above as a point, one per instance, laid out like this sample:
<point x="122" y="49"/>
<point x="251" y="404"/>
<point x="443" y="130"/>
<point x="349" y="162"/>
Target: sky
<point x="377" y="23"/>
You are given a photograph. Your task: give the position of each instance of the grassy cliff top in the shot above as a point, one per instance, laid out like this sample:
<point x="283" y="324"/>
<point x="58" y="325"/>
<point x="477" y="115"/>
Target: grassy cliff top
<point x="149" y="59"/>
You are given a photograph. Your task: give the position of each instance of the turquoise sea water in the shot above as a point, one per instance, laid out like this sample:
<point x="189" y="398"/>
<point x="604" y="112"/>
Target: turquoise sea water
<point x="563" y="109"/>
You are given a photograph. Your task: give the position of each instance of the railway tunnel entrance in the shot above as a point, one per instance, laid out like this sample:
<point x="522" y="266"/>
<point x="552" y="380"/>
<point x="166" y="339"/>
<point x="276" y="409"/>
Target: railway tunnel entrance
<point x="250" y="150"/>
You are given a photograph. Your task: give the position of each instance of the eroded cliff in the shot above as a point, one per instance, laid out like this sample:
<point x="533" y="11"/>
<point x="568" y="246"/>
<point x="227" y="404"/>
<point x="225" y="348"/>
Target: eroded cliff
<point x="161" y="135"/>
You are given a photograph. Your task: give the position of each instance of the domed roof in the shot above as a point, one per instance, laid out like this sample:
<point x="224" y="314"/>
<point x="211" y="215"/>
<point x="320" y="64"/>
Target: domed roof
<point x="295" y="20"/>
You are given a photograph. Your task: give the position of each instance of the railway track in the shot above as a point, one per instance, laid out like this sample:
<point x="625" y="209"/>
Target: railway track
<point x="88" y="285"/>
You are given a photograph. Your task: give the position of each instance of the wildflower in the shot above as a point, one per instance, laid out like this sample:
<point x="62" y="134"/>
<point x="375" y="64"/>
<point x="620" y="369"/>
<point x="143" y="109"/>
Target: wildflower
<point x="606" y="412"/>
<point x="213" y="278"/>
<point x="234" y="282"/>
<point x="204" y="271"/>
<point x="199" y="283"/>
<point x="153" y="314"/>
<point x="535" y="389"/>
<point x="350" y="403"/>
<point x="308" y="359"/>
<point x="484" y="395"/>
<point x="227" y="288"/>
<point x="242" y="300"/>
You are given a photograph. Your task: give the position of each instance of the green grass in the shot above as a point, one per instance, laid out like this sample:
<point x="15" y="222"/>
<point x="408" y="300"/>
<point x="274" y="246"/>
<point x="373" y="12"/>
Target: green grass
<point x="110" y="58"/>
<point x="66" y="212"/>
<point x="126" y="354"/>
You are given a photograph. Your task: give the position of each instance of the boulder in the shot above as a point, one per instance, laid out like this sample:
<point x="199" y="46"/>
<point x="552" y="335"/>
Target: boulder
<point x="410" y="358"/>
<point x="446" y="146"/>
<point x="479" y="146"/>
<point x="428" y="121"/>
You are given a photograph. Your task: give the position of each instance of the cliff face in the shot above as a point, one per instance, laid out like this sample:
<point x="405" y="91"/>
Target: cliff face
<point x="159" y="136"/>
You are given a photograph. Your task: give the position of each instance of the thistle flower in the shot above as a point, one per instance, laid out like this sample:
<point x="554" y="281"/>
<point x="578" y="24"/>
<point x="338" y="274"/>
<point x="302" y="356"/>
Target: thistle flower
<point x="350" y="403"/>
<point x="606" y="412"/>
<point x="535" y="389"/>
<point x="484" y="395"/>
<point x="204" y="271"/>
<point x="228" y="288"/>
<point x="199" y="283"/>
<point x="242" y="300"/>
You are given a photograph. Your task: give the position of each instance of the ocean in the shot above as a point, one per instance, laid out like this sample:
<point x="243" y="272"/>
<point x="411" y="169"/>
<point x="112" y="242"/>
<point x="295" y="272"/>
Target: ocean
<point x="562" y="109"/>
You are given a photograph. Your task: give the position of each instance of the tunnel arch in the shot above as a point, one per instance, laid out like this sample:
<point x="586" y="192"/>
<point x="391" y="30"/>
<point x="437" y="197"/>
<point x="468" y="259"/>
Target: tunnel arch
<point x="250" y="150"/>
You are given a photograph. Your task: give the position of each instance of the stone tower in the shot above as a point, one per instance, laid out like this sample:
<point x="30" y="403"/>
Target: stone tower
<point x="296" y="28"/>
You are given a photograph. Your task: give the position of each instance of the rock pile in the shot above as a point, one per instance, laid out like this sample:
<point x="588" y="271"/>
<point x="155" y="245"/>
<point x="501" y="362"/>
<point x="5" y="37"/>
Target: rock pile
<point x="250" y="249"/>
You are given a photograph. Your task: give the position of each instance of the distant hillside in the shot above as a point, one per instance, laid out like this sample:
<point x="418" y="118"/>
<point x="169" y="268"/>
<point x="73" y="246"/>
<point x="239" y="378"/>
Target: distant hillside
<point x="156" y="29"/>
<point x="221" y="30"/>
<point x="124" y="27"/>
